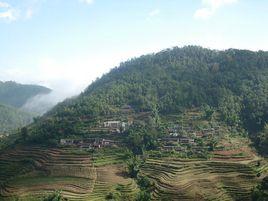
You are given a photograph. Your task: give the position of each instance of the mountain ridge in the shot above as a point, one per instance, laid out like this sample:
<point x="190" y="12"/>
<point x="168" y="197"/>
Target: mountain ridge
<point x="16" y="95"/>
<point x="12" y="97"/>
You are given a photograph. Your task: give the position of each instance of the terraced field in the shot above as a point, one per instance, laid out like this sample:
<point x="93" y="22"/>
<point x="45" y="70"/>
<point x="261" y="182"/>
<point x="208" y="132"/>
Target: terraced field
<point x="31" y="173"/>
<point x="200" y="180"/>
<point x="43" y="170"/>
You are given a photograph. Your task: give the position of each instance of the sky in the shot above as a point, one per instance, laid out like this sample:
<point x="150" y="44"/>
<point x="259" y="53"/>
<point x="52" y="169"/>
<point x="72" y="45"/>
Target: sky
<point x="67" y="44"/>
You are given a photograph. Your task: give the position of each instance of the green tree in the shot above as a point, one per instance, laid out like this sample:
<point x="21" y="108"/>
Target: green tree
<point x="56" y="196"/>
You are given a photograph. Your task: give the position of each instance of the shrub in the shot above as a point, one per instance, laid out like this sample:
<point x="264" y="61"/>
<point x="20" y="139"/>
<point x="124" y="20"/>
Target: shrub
<point x="56" y="196"/>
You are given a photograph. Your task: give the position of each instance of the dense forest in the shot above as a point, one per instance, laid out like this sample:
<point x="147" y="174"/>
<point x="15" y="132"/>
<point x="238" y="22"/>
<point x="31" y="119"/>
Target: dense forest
<point x="16" y="95"/>
<point x="233" y="82"/>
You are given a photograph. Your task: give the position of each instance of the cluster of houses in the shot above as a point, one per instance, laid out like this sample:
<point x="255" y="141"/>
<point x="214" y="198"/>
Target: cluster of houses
<point x="178" y="130"/>
<point x="112" y="127"/>
<point x="119" y="126"/>
<point x="179" y="136"/>
<point x="91" y="143"/>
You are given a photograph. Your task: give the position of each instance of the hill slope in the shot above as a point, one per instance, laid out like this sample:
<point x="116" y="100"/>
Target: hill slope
<point x="12" y="118"/>
<point x="16" y="95"/>
<point x="12" y="97"/>
<point x="235" y="82"/>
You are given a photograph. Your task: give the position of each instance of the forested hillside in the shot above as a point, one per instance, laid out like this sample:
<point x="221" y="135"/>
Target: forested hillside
<point x="12" y="97"/>
<point x="235" y="82"/>
<point x="12" y="118"/>
<point x="16" y="95"/>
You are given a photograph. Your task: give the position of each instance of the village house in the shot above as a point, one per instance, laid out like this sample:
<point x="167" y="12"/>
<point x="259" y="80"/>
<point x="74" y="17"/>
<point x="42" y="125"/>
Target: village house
<point x="108" y="143"/>
<point x="112" y="124"/>
<point x="172" y="148"/>
<point x="88" y="143"/>
<point x="186" y="140"/>
<point x="174" y="134"/>
<point x="66" y="142"/>
<point x="117" y="126"/>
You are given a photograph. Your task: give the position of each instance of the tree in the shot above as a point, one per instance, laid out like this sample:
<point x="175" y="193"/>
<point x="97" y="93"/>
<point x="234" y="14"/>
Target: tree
<point x="133" y="166"/>
<point x="208" y="112"/>
<point x="24" y="133"/>
<point x="230" y="108"/>
<point x="56" y="196"/>
<point x="143" y="196"/>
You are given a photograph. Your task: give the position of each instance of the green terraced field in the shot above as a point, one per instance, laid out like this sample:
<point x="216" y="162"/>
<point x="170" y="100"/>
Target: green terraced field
<point x="200" y="180"/>
<point x="31" y="173"/>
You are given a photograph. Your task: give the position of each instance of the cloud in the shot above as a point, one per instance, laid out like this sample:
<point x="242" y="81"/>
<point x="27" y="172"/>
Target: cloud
<point x="23" y="10"/>
<point x="154" y="13"/>
<point x="4" y="5"/>
<point x="9" y="15"/>
<point x="7" y="12"/>
<point x="211" y="7"/>
<point x="87" y="1"/>
<point x="31" y="8"/>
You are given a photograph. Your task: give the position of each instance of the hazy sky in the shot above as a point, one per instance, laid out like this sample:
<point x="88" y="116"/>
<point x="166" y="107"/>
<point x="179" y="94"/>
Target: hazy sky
<point x="65" y="44"/>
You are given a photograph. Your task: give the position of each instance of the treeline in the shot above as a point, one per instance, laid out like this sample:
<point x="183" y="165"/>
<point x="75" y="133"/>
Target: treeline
<point x="235" y="82"/>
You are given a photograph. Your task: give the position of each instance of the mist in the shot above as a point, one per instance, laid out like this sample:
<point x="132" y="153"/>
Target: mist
<point x="40" y="104"/>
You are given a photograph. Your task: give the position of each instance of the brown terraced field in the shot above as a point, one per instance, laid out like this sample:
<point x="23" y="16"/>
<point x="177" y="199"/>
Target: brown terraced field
<point x="200" y="180"/>
<point x="44" y="170"/>
<point x="81" y="176"/>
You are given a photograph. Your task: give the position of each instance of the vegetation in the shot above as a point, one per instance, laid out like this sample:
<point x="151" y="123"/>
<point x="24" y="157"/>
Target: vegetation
<point x="221" y="96"/>
<point x="12" y="118"/>
<point x="141" y="138"/>
<point x="12" y="97"/>
<point x="56" y="196"/>
<point x="16" y="95"/>
<point x="260" y="192"/>
<point x="233" y="81"/>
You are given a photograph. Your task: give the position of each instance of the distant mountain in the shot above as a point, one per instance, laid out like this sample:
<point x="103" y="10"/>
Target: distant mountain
<point x="13" y="97"/>
<point x="12" y="118"/>
<point x="16" y="95"/>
